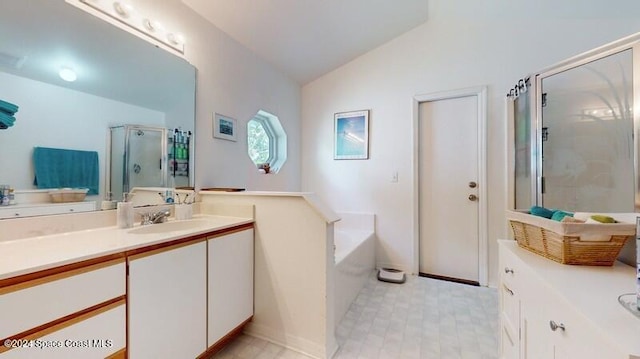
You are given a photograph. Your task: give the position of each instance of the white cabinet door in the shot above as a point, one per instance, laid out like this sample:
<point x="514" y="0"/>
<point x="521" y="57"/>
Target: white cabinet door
<point x="167" y="303"/>
<point x="534" y="331"/>
<point x="510" y="320"/>
<point x="579" y="339"/>
<point x="94" y="338"/>
<point x="230" y="283"/>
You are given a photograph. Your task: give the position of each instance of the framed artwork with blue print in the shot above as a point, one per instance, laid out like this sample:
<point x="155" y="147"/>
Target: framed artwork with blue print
<point x="351" y="135"/>
<point x="225" y="127"/>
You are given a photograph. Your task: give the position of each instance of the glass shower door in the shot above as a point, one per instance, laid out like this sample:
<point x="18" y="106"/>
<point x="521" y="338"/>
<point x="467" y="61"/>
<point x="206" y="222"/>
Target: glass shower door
<point x="146" y="157"/>
<point x="137" y="158"/>
<point x="586" y="136"/>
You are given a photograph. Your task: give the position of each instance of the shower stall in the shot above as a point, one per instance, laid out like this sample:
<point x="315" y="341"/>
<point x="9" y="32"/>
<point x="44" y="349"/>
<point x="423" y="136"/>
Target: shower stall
<point x="138" y="158"/>
<point x="145" y="156"/>
<point x="573" y="135"/>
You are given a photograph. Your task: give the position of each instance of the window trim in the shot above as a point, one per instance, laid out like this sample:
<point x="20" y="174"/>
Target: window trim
<point x="277" y="139"/>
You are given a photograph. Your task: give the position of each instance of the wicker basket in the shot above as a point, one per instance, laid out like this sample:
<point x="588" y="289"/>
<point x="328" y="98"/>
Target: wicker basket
<point x="562" y="242"/>
<point x="67" y="195"/>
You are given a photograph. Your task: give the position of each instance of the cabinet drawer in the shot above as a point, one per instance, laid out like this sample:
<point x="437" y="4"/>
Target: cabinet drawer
<point x="99" y="336"/>
<point x="27" y="305"/>
<point x="510" y="269"/>
<point x="510" y="306"/>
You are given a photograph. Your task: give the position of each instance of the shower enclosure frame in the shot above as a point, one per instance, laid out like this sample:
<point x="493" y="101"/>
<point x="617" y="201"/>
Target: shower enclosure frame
<point x="127" y="154"/>
<point x="536" y="131"/>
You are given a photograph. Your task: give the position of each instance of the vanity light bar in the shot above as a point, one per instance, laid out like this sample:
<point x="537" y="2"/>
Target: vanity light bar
<point x="128" y="15"/>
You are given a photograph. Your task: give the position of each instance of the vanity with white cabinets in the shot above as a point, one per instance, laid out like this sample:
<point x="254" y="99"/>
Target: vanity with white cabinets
<point x="556" y="311"/>
<point x="114" y="293"/>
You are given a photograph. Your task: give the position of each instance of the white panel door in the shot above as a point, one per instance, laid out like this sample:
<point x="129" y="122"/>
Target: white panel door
<point x="448" y="155"/>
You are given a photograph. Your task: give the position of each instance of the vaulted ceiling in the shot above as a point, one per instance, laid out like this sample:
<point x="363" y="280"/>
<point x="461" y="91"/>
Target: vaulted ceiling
<point x="308" y="38"/>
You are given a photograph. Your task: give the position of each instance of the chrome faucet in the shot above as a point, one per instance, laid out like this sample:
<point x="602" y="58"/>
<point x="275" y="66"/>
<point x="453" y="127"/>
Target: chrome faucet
<point x="155" y="217"/>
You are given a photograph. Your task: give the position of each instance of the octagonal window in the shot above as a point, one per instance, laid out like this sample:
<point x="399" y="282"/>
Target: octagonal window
<point x="266" y="142"/>
<point x="259" y="142"/>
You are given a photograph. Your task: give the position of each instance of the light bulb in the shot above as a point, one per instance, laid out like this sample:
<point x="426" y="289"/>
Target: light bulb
<point x="148" y="25"/>
<point x="68" y="74"/>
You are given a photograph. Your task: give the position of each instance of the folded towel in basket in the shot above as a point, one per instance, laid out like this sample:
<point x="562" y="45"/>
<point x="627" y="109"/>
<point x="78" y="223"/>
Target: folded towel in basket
<point x="6" y="120"/>
<point x="8" y="107"/>
<point x="61" y="168"/>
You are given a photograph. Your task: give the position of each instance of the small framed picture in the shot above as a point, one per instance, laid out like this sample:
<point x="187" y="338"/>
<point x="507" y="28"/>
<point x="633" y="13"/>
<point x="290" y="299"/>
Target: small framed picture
<point x="351" y="135"/>
<point x="225" y="127"/>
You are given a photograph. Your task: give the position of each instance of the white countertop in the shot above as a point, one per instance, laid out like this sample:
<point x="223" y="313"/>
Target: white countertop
<point x="314" y="201"/>
<point x="23" y="256"/>
<point x="593" y="291"/>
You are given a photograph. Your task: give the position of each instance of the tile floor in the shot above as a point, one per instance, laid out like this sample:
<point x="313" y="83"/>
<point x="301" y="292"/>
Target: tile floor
<point x="422" y="318"/>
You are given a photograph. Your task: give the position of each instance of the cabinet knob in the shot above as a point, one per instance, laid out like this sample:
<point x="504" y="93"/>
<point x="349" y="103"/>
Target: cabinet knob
<point x="554" y="326"/>
<point x="508" y="270"/>
<point x="508" y="290"/>
<point x="473" y="197"/>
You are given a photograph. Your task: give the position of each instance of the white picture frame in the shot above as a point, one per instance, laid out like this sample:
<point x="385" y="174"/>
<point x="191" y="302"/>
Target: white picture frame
<point x="225" y="127"/>
<point x="351" y="135"/>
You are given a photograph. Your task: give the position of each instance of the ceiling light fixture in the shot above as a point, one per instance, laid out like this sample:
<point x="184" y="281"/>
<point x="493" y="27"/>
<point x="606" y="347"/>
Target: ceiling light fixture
<point x="67" y="74"/>
<point x="126" y="14"/>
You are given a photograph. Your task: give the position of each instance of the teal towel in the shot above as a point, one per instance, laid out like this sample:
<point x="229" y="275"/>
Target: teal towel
<point x="60" y="168"/>
<point x="6" y="120"/>
<point x="8" y="107"/>
<point x="541" y="212"/>
<point x="559" y="215"/>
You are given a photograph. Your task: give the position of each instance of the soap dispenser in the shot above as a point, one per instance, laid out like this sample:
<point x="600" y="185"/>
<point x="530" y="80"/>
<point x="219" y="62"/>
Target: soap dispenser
<point x="125" y="212"/>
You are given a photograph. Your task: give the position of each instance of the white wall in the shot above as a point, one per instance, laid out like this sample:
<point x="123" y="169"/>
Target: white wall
<point x="463" y="44"/>
<point x="61" y="118"/>
<point x="233" y="81"/>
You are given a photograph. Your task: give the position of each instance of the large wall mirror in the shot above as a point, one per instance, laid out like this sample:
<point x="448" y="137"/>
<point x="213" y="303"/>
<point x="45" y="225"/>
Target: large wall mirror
<point x="121" y="80"/>
<point x="574" y="126"/>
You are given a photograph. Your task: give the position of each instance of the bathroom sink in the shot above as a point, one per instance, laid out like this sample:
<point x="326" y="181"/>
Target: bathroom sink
<point x="170" y="226"/>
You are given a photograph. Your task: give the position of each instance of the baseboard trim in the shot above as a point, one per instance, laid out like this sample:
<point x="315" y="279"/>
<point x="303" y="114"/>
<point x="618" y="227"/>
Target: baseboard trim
<point x="450" y="279"/>
<point x="290" y="342"/>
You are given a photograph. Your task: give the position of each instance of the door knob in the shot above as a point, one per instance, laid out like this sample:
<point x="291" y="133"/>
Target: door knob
<point x="473" y="197"/>
<point x="472" y="184"/>
<point x="554" y="326"/>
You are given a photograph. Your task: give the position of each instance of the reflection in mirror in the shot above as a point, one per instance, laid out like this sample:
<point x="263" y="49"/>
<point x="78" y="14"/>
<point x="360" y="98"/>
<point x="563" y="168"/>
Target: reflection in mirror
<point x="121" y="80"/>
<point x="587" y="136"/>
<point x="136" y="158"/>
<point x="524" y="194"/>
